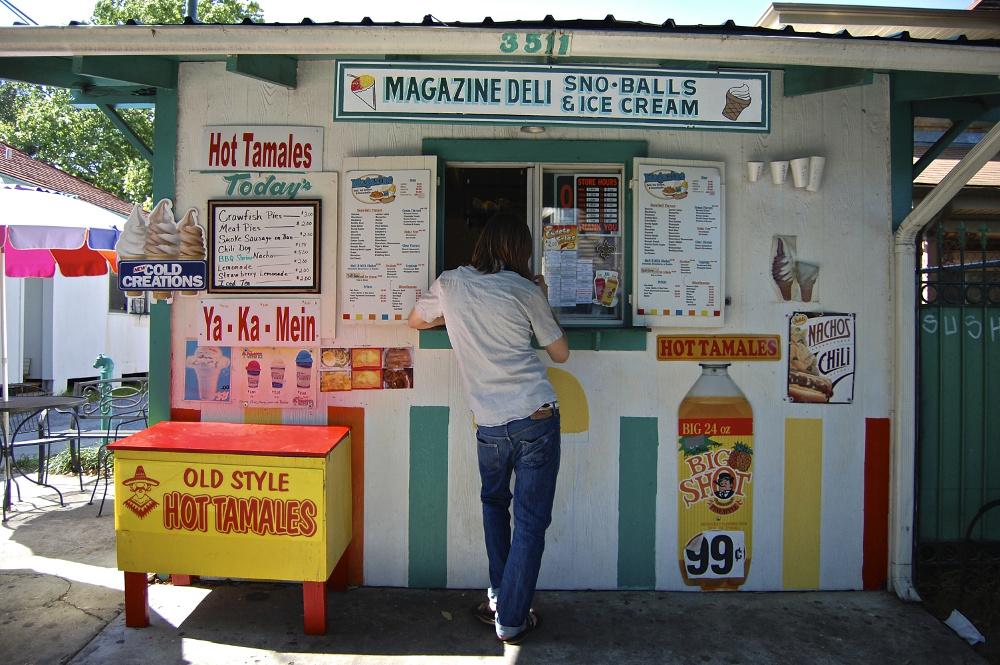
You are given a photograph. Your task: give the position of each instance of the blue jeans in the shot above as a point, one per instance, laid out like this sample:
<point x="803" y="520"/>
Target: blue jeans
<point x="530" y="449"/>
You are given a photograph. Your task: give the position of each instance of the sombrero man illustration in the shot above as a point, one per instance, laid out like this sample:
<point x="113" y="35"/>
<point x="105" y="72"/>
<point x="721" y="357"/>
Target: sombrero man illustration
<point x="140" y="502"/>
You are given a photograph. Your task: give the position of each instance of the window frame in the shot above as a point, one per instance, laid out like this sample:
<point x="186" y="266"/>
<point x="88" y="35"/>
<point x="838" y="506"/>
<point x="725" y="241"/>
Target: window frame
<point x="544" y="153"/>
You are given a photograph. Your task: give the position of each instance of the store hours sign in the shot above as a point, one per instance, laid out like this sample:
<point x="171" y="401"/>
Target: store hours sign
<point x="508" y="93"/>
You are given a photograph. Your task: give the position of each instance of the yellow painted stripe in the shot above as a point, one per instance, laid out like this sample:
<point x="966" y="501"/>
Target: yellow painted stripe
<point x="261" y="416"/>
<point x="803" y="499"/>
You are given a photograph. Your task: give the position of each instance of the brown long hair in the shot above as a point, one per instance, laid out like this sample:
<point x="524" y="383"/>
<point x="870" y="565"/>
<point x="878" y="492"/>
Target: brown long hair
<point x="505" y="243"/>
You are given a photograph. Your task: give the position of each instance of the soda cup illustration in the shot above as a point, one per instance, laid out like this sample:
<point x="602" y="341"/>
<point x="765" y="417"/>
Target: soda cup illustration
<point x="715" y="482"/>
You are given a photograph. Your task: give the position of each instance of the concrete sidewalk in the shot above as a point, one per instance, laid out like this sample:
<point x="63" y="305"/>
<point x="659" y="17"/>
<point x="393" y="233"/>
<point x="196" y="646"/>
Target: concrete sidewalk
<point x="61" y="602"/>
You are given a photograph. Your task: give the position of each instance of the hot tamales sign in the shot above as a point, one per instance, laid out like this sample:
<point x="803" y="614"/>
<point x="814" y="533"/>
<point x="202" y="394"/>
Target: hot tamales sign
<point x="233" y="515"/>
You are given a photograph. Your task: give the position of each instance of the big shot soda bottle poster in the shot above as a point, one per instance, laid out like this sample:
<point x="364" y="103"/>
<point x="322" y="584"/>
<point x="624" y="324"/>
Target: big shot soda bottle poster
<point x="715" y="482"/>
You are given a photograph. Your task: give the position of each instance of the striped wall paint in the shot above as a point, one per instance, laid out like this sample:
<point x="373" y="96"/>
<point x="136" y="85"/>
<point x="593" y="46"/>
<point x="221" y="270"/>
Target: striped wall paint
<point x="584" y="550"/>
<point x="875" y="564"/>
<point x="354" y="418"/>
<point x="637" y="458"/>
<point x="803" y="494"/>
<point x="185" y="415"/>
<point x="262" y="416"/>
<point x="428" y="518"/>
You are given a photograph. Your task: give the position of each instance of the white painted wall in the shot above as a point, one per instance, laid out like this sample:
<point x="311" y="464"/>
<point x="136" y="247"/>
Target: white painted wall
<point x="844" y="227"/>
<point x="82" y="327"/>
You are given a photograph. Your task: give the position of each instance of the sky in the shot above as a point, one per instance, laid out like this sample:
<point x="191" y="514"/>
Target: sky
<point x="743" y="12"/>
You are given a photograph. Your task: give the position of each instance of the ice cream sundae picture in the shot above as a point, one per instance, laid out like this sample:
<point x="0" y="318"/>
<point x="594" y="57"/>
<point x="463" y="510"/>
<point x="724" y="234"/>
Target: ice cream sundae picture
<point x="208" y="364"/>
<point x="737" y="100"/>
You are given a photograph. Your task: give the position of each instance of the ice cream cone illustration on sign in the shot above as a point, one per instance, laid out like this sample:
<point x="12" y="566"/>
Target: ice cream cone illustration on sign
<point x="737" y="99"/>
<point x="363" y="87"/>
<point x="131" y="245"/>
<point x="192" y="239"/>
<point x="162" y="240"/>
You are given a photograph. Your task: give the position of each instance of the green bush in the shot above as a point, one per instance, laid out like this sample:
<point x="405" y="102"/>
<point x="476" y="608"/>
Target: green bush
<point x="63" y="464"/>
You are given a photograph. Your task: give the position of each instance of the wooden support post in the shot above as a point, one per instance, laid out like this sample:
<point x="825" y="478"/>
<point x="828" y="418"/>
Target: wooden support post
<point x="314" y="607"/>
<point x="136" y="600"/>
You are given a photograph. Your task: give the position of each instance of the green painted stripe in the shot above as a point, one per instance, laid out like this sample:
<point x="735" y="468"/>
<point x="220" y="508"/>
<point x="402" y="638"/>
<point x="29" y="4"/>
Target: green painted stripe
<point x="637" y="452"/>
<point x="164" y="151"/>
<point x="428" y="496"/>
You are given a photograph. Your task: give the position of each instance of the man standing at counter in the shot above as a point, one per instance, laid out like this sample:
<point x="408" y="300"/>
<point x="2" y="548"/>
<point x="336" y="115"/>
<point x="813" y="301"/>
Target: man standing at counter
<point x="492" y="307"/>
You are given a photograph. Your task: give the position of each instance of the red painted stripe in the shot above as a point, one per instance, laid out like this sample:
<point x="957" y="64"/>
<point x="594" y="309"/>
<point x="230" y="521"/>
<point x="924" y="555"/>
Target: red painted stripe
<point x="185" y="415"/>
<point x="875" y="567"/>
<point x="354" y="418"/>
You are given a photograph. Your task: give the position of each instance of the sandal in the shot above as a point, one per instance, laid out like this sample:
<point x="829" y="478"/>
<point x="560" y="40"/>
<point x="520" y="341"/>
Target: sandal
<point x="484" y="613"/>
<point x="533" y="622"/>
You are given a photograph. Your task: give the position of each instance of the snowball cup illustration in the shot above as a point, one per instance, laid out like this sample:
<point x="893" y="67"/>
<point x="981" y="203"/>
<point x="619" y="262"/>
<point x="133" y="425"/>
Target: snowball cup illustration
<point x="303" y="369"/>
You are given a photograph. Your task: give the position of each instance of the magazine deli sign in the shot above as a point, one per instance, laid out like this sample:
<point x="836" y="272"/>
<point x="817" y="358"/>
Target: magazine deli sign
<point x="261" y="148"/>
<point x="424" y="92"/>
<point x="718" y="347"/>
<point x="259" y="323"/>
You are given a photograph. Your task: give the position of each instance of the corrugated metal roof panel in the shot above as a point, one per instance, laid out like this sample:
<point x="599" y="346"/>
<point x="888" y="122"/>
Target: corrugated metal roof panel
<point x="610" y="23"/>
<point x="922" y="24"/>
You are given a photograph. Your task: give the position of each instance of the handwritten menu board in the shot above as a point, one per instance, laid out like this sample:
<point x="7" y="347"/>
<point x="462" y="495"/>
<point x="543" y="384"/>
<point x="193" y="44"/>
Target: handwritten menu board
<point x="265" y="246"/>
<point x="385" y="243"/>
<point x="597" y="203"/>
<point x="679" y="221"/>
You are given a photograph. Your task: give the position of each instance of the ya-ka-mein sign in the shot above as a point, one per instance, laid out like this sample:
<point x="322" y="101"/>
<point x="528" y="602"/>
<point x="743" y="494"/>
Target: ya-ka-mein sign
<point x="425" y="92"/>
<point x="277" y="323"/>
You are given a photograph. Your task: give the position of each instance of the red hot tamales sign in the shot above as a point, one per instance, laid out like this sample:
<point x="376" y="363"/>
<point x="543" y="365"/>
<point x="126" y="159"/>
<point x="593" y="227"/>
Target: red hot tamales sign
<point x="718" y="347"/>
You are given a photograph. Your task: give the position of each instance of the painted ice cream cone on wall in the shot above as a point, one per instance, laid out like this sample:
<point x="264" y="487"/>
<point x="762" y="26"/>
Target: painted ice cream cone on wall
<point x="737" y="99"/>
<point x="783" y="265"/>
<point x="806" y="274"/>
<point x="162" y="239"/>
<point x="192" y="239"/>
<point x="131" y="245"/>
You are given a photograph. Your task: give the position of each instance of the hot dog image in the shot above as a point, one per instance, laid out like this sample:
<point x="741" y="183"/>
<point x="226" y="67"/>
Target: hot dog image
<point x="805" y="382"/>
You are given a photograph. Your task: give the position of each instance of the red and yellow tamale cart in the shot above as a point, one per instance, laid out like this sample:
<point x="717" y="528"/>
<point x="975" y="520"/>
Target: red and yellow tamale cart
<point x="260" y="502"/>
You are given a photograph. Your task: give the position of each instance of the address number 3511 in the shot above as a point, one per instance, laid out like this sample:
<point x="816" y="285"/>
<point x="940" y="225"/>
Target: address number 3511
<point x="535" y="43"/>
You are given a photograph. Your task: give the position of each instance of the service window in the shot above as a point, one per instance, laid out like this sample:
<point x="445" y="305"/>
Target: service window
<point x="576" y="216"/>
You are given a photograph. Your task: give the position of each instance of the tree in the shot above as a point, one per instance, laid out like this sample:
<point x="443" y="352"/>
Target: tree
<point x="41" y="121"/>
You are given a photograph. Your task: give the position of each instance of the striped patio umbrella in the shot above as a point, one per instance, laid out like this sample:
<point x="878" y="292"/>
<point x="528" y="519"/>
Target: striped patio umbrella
<point x="40" y="230"/>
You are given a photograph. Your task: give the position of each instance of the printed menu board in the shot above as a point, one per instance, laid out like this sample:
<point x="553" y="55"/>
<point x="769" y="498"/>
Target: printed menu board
<point x="264" y="246"/>
<point x="385" y="243"/>
<point x="680" y="243"/>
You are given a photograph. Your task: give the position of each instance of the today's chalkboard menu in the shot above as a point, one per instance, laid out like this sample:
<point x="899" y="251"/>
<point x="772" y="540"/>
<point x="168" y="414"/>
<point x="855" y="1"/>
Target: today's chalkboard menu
<point x="266" y="246"/>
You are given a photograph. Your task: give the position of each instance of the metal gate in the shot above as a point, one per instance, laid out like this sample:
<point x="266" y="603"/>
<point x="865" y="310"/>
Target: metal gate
<point x="958" y="441"/>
